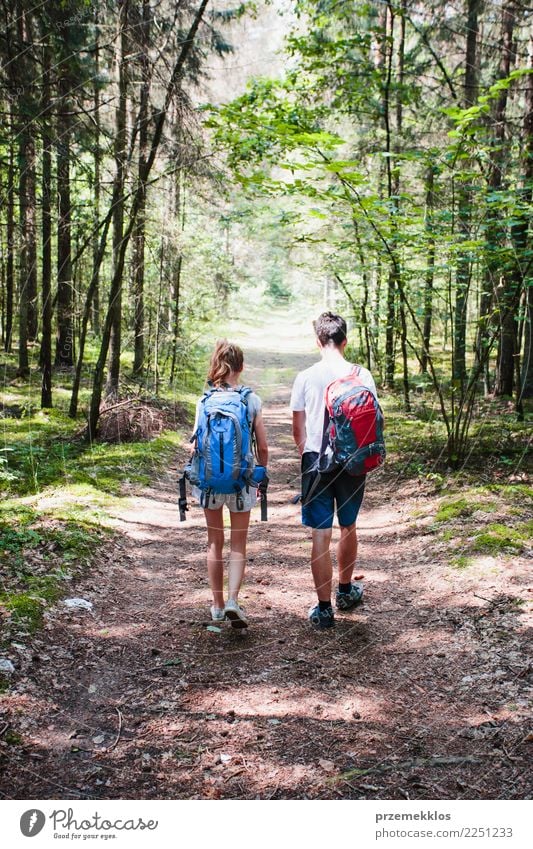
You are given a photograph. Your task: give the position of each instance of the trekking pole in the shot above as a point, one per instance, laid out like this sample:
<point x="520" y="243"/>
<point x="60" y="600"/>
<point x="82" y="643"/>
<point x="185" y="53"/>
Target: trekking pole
<point x="263" y="486"/>
<point x="182" y="500"/>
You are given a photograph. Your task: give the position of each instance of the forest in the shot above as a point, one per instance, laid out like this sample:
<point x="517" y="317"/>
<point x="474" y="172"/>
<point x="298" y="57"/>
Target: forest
<point x="176" y="172"/>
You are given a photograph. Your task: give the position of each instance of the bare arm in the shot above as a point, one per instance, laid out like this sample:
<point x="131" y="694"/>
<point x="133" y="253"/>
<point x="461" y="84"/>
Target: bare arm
<point x="298" y="430"/>
<point x="261" y="439"/>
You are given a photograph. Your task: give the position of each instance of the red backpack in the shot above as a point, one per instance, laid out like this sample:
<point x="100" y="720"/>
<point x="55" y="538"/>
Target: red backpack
<point x="353" y="427"/>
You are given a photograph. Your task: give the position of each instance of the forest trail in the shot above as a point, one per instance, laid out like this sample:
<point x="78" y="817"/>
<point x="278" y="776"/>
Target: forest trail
<point x="419" y="693"/>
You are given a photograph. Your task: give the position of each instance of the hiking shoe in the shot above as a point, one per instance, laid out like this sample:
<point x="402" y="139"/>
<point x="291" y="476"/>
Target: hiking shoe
<point x="321" y="618"/>
<point x="235" y="614"/>
<point x="217" y="614"/>
<point x="345" y="601"/>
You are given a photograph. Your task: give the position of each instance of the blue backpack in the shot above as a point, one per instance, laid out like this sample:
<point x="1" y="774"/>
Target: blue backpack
<point x="224" y="460"/>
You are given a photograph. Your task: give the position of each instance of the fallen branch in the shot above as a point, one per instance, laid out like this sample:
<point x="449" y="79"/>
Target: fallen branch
<point x="117" y="738"/>
<point x="416" y="763"/>
<point x="105" y="410"/>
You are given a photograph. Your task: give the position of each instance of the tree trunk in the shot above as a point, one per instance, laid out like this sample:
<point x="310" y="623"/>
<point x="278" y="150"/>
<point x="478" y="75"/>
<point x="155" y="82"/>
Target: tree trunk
<point x="179" y="212"/>
<point x="158" y="315"/>
<point x="376" y="299"/>
<point x="395" y="205"/>
<point x="366" y="340"/>
<point x="27" y="110"/>
<point x="430" y="268"/>
<point x="46" y="338"/>
<point x="496" y="234"/>
<point x="27" y="197"/>
<point x="507" y="350"/>
<point x="519" y="235"/>
<point x="112" y="387"/>
<point x="27" y="200"/>
<point x="140" y="234"/>
<point x="116" y="282"/>
<point x="464" y="215"/>
<point x="27" y="248"/>
<point x="527" y="356"/>
<point x="89" y="302"/>
<point x="387" y="54"/>
<point x="64" y="357"/>
<point x="97" y="179"/>
<point x="10" y="226"/>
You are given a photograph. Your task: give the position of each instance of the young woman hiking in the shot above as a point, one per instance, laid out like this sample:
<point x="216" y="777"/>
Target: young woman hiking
<point x="226" y="394"/>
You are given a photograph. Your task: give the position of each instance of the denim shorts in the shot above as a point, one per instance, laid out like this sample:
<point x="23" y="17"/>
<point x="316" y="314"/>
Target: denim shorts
<point x="337" y="490"/>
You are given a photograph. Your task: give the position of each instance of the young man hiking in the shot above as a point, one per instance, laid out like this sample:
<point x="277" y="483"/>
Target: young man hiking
<point x="322" y="493"/>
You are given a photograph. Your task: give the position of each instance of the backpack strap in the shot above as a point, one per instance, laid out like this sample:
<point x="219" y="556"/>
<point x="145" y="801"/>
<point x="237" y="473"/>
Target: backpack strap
<point x="325" y="430"/>
<point x="244" y="392"/>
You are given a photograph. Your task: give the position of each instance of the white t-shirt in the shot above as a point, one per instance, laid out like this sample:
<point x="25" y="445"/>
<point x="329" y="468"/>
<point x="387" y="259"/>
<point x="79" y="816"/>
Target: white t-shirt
<point x="308" y="394"/>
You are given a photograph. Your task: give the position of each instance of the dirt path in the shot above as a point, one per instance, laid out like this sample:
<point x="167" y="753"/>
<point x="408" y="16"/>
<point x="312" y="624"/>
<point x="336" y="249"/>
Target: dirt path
<point x="421" y="693"/>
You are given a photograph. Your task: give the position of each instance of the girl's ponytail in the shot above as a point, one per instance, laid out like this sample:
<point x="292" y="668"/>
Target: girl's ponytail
<point x="226" y="358"/>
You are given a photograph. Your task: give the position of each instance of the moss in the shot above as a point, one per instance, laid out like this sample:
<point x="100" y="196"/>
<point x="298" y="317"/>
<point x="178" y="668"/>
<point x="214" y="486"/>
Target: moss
<point x="500" y="538"/>
<point x="461" y="508"/>
<point x="15" y="541"/>
<point x="452" y="510"/>
<point x="73" y="539"/>
<point x="460" y="561"/>
<point x="12" y="738"/>
<point x="45" y="587"/>
<point x="26" y="610"/>
<point x="13" y="511"/>
<point x="516" y="492"/>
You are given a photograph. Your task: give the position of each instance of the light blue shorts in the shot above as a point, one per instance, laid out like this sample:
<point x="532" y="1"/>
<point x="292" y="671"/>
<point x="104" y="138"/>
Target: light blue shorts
<point x="235" y="503"/>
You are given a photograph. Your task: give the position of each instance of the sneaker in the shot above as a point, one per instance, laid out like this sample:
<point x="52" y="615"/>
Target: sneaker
<point x="345" y="601"/>
<point x="235" y="614"/>
<point x="321" y="618"/>
<point x="217" y="614"/>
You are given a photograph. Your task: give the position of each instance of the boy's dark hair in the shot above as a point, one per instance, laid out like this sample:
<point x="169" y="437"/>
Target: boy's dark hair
<point x="330" y="328"/>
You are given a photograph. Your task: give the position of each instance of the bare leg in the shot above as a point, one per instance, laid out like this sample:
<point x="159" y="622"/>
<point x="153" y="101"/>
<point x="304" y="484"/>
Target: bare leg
<point x="347" y="553"/>
<point x="237" y="556"/>
<point x="321" y="563"/>
<point x="215" y="546"/>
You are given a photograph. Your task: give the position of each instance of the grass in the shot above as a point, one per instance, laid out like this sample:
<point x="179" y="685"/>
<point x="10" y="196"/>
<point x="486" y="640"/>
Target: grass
<point x="463" y="520"/>
<point x="35" y="458"/>
<point x="38" y="555"/>
<point x="416" y="441"/>
<point x="57" y="490"/>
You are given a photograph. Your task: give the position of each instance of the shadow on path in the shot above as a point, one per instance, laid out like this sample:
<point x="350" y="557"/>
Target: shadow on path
<point x="417" y="694"/>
